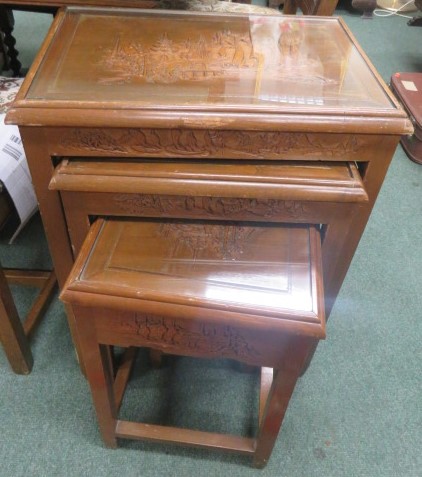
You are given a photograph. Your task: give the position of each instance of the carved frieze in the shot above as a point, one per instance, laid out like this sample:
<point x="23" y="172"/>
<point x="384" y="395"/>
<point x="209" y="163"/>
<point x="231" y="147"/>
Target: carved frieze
<point x="138" y="204"/>
<point x="209" y="143"/>
<point x="204" y="339"/>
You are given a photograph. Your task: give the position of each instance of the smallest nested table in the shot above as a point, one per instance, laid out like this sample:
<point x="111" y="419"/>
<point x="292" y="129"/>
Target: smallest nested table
<point x="252" y="293"/>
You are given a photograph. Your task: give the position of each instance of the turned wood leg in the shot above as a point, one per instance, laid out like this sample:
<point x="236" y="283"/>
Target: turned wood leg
<point x="99" y="374"/>
<point x="281" y="390"/>
<point x="7" y="23"/>
<point x="12" y="334"/>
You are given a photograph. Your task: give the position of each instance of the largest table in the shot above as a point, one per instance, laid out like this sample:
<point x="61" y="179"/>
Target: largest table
<point x="208" y="117"/>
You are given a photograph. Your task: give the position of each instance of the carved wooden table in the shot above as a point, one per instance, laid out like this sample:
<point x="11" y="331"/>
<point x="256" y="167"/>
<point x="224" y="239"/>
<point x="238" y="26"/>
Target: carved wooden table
<point x="248" y="292"/>
<point x="212" y="117"/>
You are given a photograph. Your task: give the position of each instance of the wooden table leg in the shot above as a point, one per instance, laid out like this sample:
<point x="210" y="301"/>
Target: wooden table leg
<point x="342" y="236"/>
<point x="123" y="374"/>
<point x="100" y="375"/>
<point x="41" y="168"/>
<point x="284" y="382"/>
<point x="12" y="335"/>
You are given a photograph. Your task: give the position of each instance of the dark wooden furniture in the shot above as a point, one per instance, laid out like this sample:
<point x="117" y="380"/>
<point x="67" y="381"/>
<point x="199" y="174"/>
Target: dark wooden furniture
<point x="408" y="89"/>
<point x="213" y="117"/>
<point x="249" y="292"/>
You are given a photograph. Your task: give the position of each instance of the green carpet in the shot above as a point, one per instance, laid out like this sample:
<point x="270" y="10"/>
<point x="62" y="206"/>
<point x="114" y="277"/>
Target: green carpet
<point x="356" y="412"/>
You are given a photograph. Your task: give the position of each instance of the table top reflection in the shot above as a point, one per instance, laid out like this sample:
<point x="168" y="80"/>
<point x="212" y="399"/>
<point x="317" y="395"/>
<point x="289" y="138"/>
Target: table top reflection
<point x="227" y="61"/>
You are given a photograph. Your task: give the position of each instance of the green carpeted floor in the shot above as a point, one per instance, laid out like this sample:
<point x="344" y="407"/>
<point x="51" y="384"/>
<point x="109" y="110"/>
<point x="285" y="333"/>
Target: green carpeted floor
<point x="356" y="412"/>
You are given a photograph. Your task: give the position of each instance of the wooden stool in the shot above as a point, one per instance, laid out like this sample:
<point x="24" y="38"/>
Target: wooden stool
<point x="244" y="291"/>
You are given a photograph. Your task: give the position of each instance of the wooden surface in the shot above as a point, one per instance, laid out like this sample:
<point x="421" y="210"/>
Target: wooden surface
<point x="305" y="93"/>
<point x="252" y="293"/>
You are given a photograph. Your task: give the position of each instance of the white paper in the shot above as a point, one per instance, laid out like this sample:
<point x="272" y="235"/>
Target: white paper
<point x="14" y="173"/>
<point x="409" y="85"/>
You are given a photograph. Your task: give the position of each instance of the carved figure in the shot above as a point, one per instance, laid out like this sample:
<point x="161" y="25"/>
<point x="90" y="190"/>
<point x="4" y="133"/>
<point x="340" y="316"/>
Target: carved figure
<point x="290" y="39"/>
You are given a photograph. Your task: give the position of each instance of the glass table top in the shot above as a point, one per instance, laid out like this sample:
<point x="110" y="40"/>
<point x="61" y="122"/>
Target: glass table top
<point x="232" y="62"/>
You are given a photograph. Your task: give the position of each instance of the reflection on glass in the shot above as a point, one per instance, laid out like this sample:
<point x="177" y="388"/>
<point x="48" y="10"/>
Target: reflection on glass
<point x="172" y="59"/>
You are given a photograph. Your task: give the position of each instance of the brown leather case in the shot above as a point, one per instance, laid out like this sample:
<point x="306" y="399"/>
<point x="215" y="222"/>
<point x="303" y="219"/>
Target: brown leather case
<point x="408" y="89"/>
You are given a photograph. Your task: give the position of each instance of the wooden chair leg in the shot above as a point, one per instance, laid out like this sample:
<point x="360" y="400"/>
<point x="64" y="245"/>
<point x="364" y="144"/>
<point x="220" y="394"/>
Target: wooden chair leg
<point x="99" y="374"/>
<point x="12" y="334"/>
<point x="281" y="390"/>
